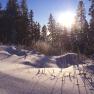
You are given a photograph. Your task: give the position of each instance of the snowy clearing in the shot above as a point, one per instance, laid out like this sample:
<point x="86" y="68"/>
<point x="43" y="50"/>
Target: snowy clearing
<point x="28" y="75"/>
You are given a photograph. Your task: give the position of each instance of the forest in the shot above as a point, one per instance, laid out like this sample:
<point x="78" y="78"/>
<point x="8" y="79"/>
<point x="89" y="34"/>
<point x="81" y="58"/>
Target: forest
<point x="18" y="27"/>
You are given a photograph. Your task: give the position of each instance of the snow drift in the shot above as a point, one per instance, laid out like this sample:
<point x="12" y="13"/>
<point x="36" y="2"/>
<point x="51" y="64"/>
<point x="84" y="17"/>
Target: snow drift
<point x="67" y="60"/>
<point x="36" y="60"/>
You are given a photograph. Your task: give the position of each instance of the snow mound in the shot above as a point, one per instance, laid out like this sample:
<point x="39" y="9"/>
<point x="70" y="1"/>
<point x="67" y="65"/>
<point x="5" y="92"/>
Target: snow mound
<point x="67" y="59"/>
<point x="13" y="50"/>
<point x="63" y="61"/>
<point x="34" y="59"/>
<point x="4" y="54"/>
<point x="37" y="61"/>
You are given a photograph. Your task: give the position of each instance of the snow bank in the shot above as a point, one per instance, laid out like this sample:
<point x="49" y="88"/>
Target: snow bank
<point x="18" y="76"/>
<point x="4" y="54"/>
<point x="67" y="60"/>
<point x="37" y="60"/>
<point x="13" y="50"/>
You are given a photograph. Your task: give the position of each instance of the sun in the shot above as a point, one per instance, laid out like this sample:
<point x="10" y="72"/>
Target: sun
<point x="66" y="19"/>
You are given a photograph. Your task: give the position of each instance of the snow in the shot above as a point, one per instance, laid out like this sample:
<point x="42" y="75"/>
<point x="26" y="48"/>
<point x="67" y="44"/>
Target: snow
<point x="40" y="74"/>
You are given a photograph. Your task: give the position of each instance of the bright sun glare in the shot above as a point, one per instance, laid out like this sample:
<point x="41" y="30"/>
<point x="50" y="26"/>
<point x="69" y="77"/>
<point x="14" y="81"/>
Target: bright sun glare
<point x="66" y="19"/>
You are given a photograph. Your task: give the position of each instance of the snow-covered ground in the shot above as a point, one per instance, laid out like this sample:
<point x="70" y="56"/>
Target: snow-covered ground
<point x="34" y="73"/>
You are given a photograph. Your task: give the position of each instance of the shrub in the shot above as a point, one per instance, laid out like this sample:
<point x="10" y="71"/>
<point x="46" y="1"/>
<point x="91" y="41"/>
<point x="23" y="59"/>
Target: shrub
<point x="42" y="47"/>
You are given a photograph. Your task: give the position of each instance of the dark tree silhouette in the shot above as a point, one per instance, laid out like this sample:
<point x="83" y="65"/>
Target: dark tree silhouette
<point x="91" y="13"/>
<point x="10" y="20"/>
<point x="0" y="6"/>
<point x="91" y="32"/>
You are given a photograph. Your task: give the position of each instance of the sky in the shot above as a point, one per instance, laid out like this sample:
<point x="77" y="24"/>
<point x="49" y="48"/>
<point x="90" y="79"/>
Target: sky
<point x="43" y="8"/>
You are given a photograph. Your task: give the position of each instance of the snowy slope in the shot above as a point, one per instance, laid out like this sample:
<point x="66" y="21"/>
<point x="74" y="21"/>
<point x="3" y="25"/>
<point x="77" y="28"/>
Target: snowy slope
<point x="20" y="75"/>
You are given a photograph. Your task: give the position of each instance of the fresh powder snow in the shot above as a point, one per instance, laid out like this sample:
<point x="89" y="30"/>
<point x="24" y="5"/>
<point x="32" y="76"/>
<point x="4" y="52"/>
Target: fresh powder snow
<point x="28" y="72"/>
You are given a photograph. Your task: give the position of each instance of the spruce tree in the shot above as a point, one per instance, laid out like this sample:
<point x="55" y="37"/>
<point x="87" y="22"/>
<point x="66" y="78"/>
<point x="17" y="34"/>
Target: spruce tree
<point x="51" y="28"/>
<point x="38" y="32"/>
<point x="0" y="23"/>
<point x="25" y="22"/>
<point x="24" y="8"/>
<point x="81" y="15"/>
<point x="0" y="6"/>
<point x="44" y="32"/>
<point x="66" y="40"/>
<point x="11" y="15"/>
<point x="31" y="22"/>
<point x="91" y="32"/>
<point x="31" y="26"/>
<point x="81" y="28"/>
<point x="12" y="8"/>
<point x="31" y="14"/>
<point x="91" y="13"/>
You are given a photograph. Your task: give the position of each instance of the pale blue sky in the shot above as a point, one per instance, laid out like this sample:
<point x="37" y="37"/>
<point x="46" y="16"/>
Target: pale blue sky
<point x="42" y="8"/>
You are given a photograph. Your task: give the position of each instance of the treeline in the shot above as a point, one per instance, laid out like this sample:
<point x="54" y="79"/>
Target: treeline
<point x="18" y="27"/>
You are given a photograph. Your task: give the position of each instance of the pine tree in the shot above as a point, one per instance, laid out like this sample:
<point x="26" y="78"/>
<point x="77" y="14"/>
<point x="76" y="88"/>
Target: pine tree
<point x="11" y="15"/>
<point x="37" y="31"/>
<point x="66" y="40"/>
<point x="81" y="28"/>
<point x="24" y="8"/>
<point x="91" y="13"/>
<point x="0" y="6"/>
<point x="24" y="23"/>
<point x="44" y="32"/>
<point x="80" y="17"/>
<point x="31" y="26"/>
<point x="91" y="32"/>
<point x="51" y="28"/>
<point x="31" y="17"/>
<point x="0" y="22"/>
<point x="12" y="8"/>
<point x="31" y="22"/>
